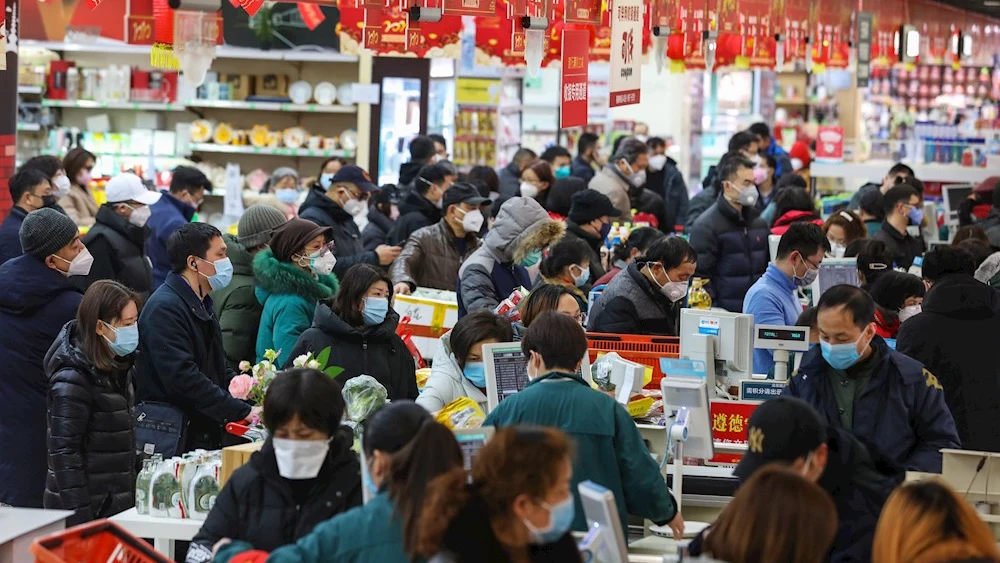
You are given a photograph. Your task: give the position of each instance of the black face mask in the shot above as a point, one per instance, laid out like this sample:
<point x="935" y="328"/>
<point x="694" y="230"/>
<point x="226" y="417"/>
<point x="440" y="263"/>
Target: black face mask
<point x="49" y="200"/>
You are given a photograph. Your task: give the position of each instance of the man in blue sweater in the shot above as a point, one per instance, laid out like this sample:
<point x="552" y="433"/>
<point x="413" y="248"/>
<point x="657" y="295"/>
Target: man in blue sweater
<point x="173" y="211"/>
<point x="772" y="300"/>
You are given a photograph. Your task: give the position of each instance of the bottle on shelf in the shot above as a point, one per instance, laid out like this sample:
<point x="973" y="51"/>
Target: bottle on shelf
<point x="72" y="83"/>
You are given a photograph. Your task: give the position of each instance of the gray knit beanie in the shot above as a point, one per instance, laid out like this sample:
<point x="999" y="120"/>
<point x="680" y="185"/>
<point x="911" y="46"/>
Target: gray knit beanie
<point x="45" y="231"/>
<point x="257" y="224"/>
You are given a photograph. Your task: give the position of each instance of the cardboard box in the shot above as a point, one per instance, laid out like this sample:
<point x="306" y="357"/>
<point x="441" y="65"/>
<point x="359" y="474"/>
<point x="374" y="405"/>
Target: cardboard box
<point x="272" y="85"/>
<point x="432" y="313"/>
<point x="235" y="456"/>
<point x="240" y="86"/>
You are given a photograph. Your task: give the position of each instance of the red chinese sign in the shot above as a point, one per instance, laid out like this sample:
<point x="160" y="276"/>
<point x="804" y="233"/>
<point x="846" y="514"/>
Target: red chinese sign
<point x="485" y="8"/>
<point x="830" y="144"/>
<point x="587" y="12"/>
<point x="386" y="33"/>
<point x="573" y="108"/>
<point x="730" y="420"/>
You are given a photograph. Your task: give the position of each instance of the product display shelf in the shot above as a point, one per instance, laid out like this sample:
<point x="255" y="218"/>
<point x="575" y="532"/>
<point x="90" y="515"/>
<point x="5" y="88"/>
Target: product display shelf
<point x="25" y="89"/>
<point x="107" y="46"/>
<point x="268" y="151"/>
<point x="88" y="104"/>
<point x="29" y="127"/>
<point x="874" y="170"/>
<point x="271" y="106"/>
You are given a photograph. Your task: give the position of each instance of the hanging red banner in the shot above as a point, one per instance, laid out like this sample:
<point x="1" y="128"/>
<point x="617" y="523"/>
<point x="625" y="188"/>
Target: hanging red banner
<point x="727" y="16"/>
<point x="587" y="12"/>
<point x="391" y="37"/>
<point x="573" y="107"/>
<point x="484" y="8"/>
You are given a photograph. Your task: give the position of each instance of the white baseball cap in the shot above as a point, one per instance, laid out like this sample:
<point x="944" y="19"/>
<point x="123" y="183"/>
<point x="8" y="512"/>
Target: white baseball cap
<point x="129" y="187"/>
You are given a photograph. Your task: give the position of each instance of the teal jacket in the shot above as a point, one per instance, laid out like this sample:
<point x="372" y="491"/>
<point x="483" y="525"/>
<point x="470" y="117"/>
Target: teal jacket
<point x="289" y="297"/>
<point x="609" y="449"/>
<point x="366" y="534"/>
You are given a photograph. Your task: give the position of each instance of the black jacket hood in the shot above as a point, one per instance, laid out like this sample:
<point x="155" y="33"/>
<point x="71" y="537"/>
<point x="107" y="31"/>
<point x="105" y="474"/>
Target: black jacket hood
<point x="317" y="198"/>
<point x="65" y="353"/>
<point x="962" y="297"/>
<point x="408" y="172"/>
<point x="413" y="201"/>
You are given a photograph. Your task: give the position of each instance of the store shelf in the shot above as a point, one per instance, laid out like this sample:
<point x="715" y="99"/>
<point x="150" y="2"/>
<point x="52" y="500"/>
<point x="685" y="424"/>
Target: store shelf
<point x="267" y="151"/>
<point x="271" y="106"/>
<point x="793" y="102"/>
<point x="87" y="104"/>
<point x="875" y="169"/>
<point x="102" y="46"/>
<point x="29" y="127"/>
<point x="23" y="89"/>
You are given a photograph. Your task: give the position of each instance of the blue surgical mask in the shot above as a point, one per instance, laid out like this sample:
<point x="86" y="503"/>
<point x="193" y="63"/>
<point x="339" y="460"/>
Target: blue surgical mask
<point x="326" y="180"/>
<point x="126" y="339"/>
<point x="223" y="273"/>
<point x="375" y="310"/>
<point x="560" y="519"/>
<point x="583" y="278"/>
<point x="841" y="356"/>
<point x="531" y="258"/>
<point x="562" y="172"/>
<point x="369" y="484"/>
<point x="287" y="195"/>
<point x="475" y="372"/>
<point x="916" y="216"/>
<point x="605" y="230"/>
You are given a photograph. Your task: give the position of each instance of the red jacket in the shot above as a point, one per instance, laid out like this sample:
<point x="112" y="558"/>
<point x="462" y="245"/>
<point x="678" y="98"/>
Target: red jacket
<point x="884" y="328"/>
<point x="782" y="223"/>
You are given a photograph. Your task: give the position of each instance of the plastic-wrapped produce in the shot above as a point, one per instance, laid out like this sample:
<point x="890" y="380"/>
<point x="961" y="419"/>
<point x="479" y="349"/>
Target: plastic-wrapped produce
<point x="363" y="395"/>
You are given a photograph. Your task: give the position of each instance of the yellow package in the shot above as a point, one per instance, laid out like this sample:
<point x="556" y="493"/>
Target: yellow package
<point x="698" y="298"/>
<point x="423" y="374"/>
<point x="639" y="407"/>
<point x="463" y="412"/>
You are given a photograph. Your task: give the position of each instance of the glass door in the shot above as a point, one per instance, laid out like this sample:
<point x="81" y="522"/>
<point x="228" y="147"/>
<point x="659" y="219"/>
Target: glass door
<point x="401" y="115"/>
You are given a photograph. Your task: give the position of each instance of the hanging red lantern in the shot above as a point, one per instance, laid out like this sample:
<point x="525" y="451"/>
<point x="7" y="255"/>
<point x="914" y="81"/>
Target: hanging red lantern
<point x="821" y="53"/>
<point x="675" y="47"/>
<point x="727" y="47"/>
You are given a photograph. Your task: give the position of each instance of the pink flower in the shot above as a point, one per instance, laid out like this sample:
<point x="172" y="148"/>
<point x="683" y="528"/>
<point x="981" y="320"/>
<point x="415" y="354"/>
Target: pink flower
<point x="240" y="386"/>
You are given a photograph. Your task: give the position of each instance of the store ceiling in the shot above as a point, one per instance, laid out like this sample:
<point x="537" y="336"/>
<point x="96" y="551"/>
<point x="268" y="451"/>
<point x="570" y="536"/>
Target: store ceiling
<point x="986" y="7"/>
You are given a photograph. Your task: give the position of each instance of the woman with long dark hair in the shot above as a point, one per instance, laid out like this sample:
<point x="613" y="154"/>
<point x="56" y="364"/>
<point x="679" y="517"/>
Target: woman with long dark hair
<point x="77" y="200"/>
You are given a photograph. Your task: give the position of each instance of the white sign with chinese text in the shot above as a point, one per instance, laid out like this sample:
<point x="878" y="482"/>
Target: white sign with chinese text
<point x="626" y="51"/>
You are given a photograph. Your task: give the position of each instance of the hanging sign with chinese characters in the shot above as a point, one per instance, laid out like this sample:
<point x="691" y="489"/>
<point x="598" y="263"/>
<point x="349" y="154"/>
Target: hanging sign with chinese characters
<point x="573" y="107"/>
<point x="626" y="51"/>
<point x="730" y="422"/>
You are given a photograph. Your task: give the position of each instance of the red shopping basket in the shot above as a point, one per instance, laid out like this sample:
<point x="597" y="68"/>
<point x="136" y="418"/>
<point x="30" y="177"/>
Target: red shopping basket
<point x="100" y="541"/>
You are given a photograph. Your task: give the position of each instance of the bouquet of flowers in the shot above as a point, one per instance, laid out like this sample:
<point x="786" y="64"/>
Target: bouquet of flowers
<point x="319" y="363"/>
<point x="252" y="382"/>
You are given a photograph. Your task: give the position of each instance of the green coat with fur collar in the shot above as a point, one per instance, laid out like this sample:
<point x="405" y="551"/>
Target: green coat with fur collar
<point x="289" y="297"/>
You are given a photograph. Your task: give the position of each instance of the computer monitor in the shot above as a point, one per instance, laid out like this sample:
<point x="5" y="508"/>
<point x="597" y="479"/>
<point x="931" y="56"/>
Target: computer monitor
<point x="835" y="271"/>
<point x="604" y="542"/>
<point x="732" y="337"/>
<point x="691" y="431"/>
<point x="507" y="371"/>
<point x="953" y="196"/>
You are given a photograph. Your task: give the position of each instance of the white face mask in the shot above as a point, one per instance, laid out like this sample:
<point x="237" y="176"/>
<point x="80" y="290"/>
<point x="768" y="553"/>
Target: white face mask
<point x="674" y="291"/>
<point x="748" y="195"/>
<point x="79" y="266"/>
<point x="472" y="221"/>
<point x="300" y="459"/>
<point x="657" y="162"/>
<point x="320" y="262"/>
<point x="354" y="206"/>
<point x="139" y="215"/>
<point x="837" y="250"/>
<point x="528" y="190"/>
<point x="909" y="312"/>
<point x="637" y="179"/>
<point x="61" y="185"/>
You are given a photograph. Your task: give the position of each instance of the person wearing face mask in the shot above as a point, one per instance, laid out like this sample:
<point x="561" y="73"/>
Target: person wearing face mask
<point x="856" y="477"/>
<point x="303" y="475"/>
<point x="236" y="305"/>
<point x="623" y="254"/>
<point x="730" y="237"/>
<point x="624" y="173"/>
<point x="422" y="206"/>
<point x="74" y="187"/>
<point x="52" y="167"/>
<point x="282" y="191"/>
<point x="842" y="228"/>
<point x="568" y="265"/>
<point x="954" y="336"/>
<point x="29" y="190"/>
<point x="536" y="181"/>
<point x="359" y="326"/>
<point x="382" y="215"/>
<point x="666" y="180"/>
<point x="182" y="362"/>
<point x="336" y="207"/>
<point x="293" y="275"/>
<point x="647" y="296"/>
<point x="500" y="265"/>
<point x="510" y="175"/>
<point x="609" y="449"/>
<point x="174" y="210"/>
<point x="405" y="450"/>
<point x="559" y="160"/>
<point x="903" y="214"/>
<point x="36" y="300"/>
<point x="91" y="451"/>
<point x="458" y="369"/>
<point x="117" y="239"/>
<point x="858" y="383"/>
<point x="898" y="297"/>
<point x="589" y="220"/>
<point x="432" y="255"/>
<point x="327" y="171"/>
<point x="773" y="299"/>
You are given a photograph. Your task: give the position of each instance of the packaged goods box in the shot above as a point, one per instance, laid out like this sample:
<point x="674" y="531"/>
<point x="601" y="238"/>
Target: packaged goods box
<point x="432" y="313"/>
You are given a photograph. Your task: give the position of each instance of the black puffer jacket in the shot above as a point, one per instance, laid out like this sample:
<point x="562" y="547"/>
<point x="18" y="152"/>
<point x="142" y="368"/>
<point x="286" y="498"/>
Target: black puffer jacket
<point x="259" y="506"/>
<point x="90" y="438"/>
<point x="118" y="248"/>
<point x="345" y="233"/>
<point x="377" y="230"/>
<point x="415" y="212"/>
<point x="632" y="305"/>
<point x="376" y="351"/>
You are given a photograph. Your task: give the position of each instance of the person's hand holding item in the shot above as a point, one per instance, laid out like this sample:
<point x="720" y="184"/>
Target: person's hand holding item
<point x="401" y="288"/>
<point x="255" y="414"/>
<point x="386" y="253"/>
<point x="677" y="525"/>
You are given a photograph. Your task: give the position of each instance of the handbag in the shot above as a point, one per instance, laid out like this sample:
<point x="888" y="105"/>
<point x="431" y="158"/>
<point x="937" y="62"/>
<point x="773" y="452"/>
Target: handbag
<point x="160" y="428"/>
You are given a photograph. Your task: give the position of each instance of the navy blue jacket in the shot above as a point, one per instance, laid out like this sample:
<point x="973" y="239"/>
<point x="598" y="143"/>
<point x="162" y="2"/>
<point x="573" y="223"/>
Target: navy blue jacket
<point x="902" y="412"/>
<point x="505" y="277"/>
<point x="167" y="215"/>
<point x="732" y="252"/>
<point x="582" y="169"/>
<point x="35" y="302"/>
<point x="675" y="196"/>
<point x="10" y="241"/>
<point x="182" y="362"/>
<point x="782" y="160"/>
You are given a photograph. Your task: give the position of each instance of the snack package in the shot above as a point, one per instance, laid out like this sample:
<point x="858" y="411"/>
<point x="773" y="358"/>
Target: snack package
<point x="509" y="306"/>
<point x="698" y="297"/>
<point x="363" y="395"/>
<point x="463" y="412"/>
<point x="423" y="374"/>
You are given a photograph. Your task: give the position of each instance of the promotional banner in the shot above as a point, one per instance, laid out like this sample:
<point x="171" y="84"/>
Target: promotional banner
<point x="573" y="108"/>
<point x="626" y="51"/>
